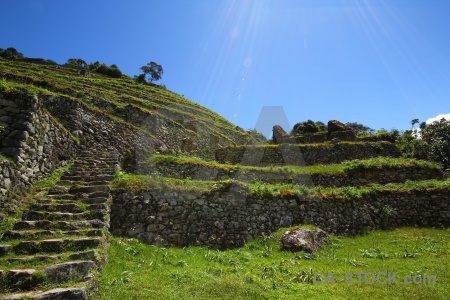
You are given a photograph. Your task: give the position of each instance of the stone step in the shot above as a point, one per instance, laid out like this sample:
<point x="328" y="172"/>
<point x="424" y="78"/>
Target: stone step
<point x="75" y="178"/>
<point x="61" y="197"/>
<point x="70" y="293"/>
<point x="33" y="215"/>
<point x="92" y="254"/>
<point x="58" y="190"/>
<point x="83" y="183"/>
<point x="29" y="279"/>
<point x="98" y="200"/>
<point x="55" y="245"/>
<point x="31" y="258"/>
<point x="33" y="234"/>
<point x="71" y="207"/>
<point x="90" y="189"/>
<point x="59" y="225"/>
<point x="66" y="224"/>
<point x="73" y="196"/>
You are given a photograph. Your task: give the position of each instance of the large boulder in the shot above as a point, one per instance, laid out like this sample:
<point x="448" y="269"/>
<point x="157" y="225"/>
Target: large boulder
<point x="335" y="125"/>
<point x="279" y="135"/>
<point x="304" y="239"/>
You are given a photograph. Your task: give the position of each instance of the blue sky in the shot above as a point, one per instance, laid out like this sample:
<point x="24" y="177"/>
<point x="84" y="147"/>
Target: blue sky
<point x="380" y="63"/>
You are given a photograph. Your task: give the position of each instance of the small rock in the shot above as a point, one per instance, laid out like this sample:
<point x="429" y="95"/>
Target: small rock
<point x="304" y="239"/>
<point x="5" y="249"/>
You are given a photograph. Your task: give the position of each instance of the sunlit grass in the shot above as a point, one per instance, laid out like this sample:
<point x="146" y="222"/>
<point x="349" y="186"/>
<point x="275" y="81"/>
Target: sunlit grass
<point x="261" y="270"/>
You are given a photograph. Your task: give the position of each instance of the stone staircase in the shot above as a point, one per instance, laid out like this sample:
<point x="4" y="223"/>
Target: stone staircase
<point x="53" y="252"/>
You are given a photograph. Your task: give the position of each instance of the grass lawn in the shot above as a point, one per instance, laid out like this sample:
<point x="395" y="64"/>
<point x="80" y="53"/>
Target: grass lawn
<point x="261" y="270"/>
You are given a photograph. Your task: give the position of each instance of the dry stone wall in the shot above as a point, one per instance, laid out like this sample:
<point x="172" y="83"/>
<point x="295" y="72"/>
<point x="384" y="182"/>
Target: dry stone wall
<point x="221" y="219"/>
<point x="350" y="178"/>
<point x="33" y="140"/>
<point x="229" y="218"/>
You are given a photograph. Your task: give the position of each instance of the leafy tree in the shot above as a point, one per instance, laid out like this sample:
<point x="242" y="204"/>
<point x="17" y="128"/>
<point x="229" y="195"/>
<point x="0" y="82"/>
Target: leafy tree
<point x="414" y="122"/>
<point x="322" y="126"/>
<point x="76" y="63"/>
<point x="431" y="143"/>
<point x="385" y="135"/>
<point x="437" y="136"/>
<point x="112" y="71"/>
<point x="359" y="128"/>
<point x="11" y="53"/>
<point x="153" y="71"/>
<point x="308" y="126"/>
<point x="412" y="147"/>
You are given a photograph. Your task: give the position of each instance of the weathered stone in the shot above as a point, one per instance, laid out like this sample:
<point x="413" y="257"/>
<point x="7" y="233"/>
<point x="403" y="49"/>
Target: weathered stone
<point x="84" y="243"/>
<point x="29" y="247"/>
<point x="87" y="255"/>
<point x="304" y="239"/>
<point x="335" y="125"/>
<point x="68" y="271"/>
<point x="54" y="245"/>
<point x="58" y="190"/>
<point x="54" y="294"/>
<point x="63" y="294"/>
<point x="279" y="135"/>
<point x="24" y="279"/>
<point x="4" y="249"/>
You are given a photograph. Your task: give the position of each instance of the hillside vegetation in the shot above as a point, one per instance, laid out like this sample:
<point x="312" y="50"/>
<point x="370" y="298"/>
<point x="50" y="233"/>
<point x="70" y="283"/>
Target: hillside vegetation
<point x="96" y="196"/>
<point x="115" y="97"/>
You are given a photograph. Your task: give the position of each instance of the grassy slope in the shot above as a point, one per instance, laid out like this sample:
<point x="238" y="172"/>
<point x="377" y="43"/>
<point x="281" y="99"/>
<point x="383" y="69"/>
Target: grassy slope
<point x="116" y="93"/>
<point x="261" y="270"/>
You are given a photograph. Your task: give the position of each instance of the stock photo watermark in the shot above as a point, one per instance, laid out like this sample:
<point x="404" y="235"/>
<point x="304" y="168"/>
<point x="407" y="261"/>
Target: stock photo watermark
<point x="373" y="278"/>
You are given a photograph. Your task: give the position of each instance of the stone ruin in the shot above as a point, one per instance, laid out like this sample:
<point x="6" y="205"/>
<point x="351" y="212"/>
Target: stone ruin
<point x="337" y="132"/>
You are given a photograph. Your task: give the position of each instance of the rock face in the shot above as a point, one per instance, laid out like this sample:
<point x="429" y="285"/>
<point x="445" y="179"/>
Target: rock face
<point x="303" y="239"/>
<point x="279" y="135"/>
<point x="335" y="125"/>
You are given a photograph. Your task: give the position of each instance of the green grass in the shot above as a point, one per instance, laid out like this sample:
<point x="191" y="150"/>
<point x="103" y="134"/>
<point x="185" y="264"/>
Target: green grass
<point x="261" y="270"/>
<point x="138" y="183"/>
<point x="46" y="183"/>
<point x="377" y="163"/>
<point x="371" y="164"/>
<point x="41" y="186"/>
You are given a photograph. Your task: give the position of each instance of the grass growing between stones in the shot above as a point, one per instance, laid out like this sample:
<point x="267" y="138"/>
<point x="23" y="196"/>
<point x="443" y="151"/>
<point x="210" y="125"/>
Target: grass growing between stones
<point x="371" y="164"/>
<point x="41" y="186"/>
<point x="261" y="270"/>
<point x="136" y="183"/>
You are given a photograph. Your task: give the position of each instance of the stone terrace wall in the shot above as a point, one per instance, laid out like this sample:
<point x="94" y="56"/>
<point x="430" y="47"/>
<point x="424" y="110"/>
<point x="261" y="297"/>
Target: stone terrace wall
<point x="228" y="219"/>
<point x="311" y="154"/>
<point x="352" y="178"/>
<point x="221" y="220"/>
<point x="34" y="141"/>
<point x="384" y="210"/>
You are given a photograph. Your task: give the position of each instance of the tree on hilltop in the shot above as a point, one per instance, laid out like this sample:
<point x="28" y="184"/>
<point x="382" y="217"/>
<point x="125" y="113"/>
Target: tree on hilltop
<point x="153" y="71"/>
<point x="11" y="53"/>
<point x="308" y="126"/>
<point x="358" y="127"/>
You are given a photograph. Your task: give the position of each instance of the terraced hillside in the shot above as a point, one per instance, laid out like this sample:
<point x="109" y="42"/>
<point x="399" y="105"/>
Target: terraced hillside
<point x="148" y="163"/>
<point x="190" y="201"/>
<point x="149" y="110"/>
